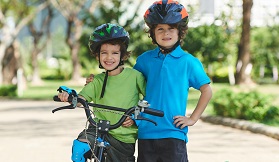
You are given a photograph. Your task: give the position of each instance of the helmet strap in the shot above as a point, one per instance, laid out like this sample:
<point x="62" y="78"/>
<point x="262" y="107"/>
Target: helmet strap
<point x="168" y="50"/>
<point x="106" y="76"/>
<point x="104" y="84"/>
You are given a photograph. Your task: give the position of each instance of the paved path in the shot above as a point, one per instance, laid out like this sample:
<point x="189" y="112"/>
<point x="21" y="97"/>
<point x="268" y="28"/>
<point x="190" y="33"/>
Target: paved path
<point x="31" y="133"/>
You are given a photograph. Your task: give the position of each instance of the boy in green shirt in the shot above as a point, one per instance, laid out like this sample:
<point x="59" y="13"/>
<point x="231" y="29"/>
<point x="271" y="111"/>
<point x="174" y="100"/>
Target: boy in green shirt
<point x="118" y="87"/>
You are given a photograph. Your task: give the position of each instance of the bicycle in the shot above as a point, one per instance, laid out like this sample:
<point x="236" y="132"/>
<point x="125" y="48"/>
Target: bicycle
<point x="103" y="126"/>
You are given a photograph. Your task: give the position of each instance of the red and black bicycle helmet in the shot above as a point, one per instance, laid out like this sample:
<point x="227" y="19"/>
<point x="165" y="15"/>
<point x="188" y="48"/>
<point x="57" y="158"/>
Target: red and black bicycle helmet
<point x="165" y="12"/>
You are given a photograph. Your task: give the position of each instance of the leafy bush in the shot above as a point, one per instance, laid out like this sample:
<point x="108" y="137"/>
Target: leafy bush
<point x="272" y="112"/>
<point x="244" y="105"/>
<point x="9" y="90"/>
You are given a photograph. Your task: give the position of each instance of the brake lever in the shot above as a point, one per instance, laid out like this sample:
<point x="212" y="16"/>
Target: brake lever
<point x="142" y="118"/>
<point x="63" y="107"/>
<point x="138" y="117"/>
<point x="72" y="106"/>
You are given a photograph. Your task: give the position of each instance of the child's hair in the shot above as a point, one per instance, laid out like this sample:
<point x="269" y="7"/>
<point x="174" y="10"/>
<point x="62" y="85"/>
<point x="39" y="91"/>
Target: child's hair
<point x="167" y="12"/>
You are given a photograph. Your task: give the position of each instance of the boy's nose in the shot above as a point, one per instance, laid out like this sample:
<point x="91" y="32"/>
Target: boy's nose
<point x="166" y="32"/>
<point x="109" y="56"/>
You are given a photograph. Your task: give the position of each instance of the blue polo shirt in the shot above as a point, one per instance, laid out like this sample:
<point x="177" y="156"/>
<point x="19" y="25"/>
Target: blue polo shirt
<point x="169" y="78"/>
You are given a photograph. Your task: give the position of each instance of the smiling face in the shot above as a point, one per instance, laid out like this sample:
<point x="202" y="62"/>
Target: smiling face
<point x="165" y="35"/>
<point x="110" y="57"/>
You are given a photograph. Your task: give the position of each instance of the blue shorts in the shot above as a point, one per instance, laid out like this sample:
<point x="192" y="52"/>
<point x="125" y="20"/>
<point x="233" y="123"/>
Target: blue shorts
<point x="162" y="150"/>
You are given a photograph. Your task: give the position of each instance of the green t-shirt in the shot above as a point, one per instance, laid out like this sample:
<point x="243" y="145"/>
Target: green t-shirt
<point x="122" y="90"/>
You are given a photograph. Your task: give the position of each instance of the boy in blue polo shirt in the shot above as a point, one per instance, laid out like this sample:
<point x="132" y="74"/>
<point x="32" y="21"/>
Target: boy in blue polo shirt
<point x="170" y="72"/>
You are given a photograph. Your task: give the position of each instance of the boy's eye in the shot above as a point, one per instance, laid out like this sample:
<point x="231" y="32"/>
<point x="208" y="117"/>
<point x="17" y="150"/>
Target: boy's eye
<point x="116" y="53"/>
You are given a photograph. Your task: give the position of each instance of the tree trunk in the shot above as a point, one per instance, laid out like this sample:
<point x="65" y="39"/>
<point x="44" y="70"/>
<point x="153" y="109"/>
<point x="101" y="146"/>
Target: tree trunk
<point x="37" y="34"/>
<point x="275" y="73"/>
<point x="36" y="79"/>
<point x="76" y="76"/>
<point x="5" y="46"/>
<point x="74" y="32"/>
<point x="243" y="60"/>
<point x="10" y="64"/>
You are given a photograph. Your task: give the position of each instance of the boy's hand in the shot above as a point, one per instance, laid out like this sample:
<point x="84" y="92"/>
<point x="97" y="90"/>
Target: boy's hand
<point x="89" y="79"/>
<point x="183" y="121"/>
<point x="63" y="96"/>
<point x="128" y="122"/>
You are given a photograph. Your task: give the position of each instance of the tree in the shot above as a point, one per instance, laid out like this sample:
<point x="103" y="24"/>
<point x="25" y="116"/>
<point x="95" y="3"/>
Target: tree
<point x="18" y="14"/>
<point x="71" y="10"/>
<point x="243" y="65"/>
<point x="11" y="62"/>
<point x="37" y="33"/>
<point x="264" y="47"/>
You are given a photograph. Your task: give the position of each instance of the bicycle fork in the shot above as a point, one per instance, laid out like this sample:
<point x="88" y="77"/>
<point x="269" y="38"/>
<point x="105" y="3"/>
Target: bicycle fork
<point x="101" y="143"/>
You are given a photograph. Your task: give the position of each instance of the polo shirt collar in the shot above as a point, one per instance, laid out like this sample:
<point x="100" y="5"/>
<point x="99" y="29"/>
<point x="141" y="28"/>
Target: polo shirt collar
<point x="177" y="52"/>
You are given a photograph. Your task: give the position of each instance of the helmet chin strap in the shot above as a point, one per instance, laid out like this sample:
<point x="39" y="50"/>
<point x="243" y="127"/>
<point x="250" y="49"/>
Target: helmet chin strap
<point x="168" y="50"/>
<point x="106" y="76"/>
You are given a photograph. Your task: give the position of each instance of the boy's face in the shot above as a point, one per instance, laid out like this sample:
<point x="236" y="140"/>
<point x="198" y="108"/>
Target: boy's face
<point x="165" y="35"/>
<point x="110" y="56"/>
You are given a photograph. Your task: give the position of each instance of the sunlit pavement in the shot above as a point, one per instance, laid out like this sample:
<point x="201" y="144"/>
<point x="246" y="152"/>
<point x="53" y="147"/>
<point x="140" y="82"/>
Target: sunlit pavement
<point x="30" y="132"/>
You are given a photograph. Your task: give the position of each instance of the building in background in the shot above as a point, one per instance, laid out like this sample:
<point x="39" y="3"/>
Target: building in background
<point x="264" y="12"/>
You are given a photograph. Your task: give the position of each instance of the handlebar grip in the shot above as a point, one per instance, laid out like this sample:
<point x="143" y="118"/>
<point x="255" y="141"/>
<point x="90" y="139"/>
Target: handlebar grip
<point x="56" y="98"/>
<point x="154" y="112"/>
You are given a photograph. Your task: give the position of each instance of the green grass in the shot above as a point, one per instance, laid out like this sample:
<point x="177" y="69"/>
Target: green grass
<point x="46" y="90"/>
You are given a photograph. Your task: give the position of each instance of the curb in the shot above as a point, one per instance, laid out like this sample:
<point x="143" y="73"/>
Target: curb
<point x="269" y="131"/>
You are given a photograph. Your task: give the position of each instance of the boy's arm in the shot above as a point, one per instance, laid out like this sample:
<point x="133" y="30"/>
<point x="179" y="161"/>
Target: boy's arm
<point x="206" y="94"/>
<point x="183" y="121"/>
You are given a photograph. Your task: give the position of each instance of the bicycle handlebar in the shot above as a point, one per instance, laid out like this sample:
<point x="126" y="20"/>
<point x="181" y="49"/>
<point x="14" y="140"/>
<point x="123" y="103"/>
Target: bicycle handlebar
<point x="141" y="107"/>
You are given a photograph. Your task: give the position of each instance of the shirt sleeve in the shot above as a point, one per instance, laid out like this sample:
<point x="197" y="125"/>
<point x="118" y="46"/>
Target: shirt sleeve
<point x="86" y="92"/>
<point x="141" y="83"/>
<point x="198" y="75"/>
<point x="139" y="64"/>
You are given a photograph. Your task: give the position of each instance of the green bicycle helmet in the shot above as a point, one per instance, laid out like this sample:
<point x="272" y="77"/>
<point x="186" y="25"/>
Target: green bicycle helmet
<point x="105" y="33"/>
